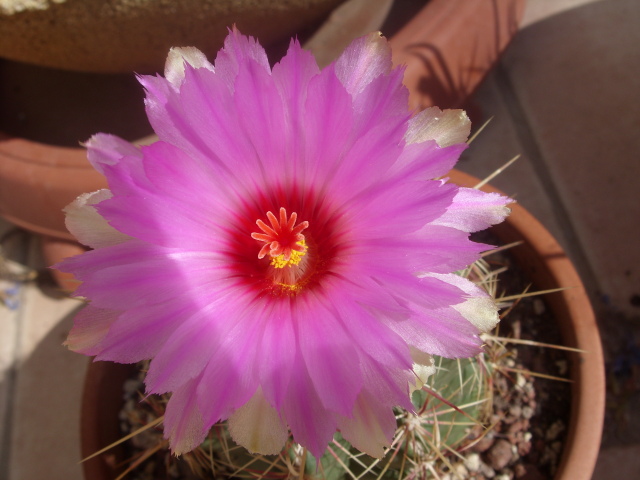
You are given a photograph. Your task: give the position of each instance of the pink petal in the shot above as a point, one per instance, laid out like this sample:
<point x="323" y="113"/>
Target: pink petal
<point x="90" y="326"/>
<point x="104" y="149"/>
<point x="331" y="360"/>
<point x="87" y="225"/>
<point x="379" y="120"/>
<point x="473" y="210"/>
<point x="388" y="384"/>
<point x="292" y="77"/>
<point x="443" y="332"/>
<point x="200" y="119"/>
<point x="278" y="350"/>
<point x="183" y="425"/>
<point x="200" y="345"/>
<point x="238" y="49"/>
<point x="478" y="307"/>
<point x="426" y="161"/>
<point x="310" y="423"/>
<point x="138" y="274"/>
<point x="433" y="249"/>
<point x="230" y="378"/>
<point x="165" y="200"/>
<point x="140" y="333"/>
<point x="329" y="118"/>
<point x="397" y="208"/>
<point x="364" y="60"/>
<point x="261" y="114"/>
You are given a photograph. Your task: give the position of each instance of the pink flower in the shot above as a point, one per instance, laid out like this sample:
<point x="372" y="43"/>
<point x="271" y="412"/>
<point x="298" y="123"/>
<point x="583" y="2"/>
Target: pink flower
<point x="282" y="254"/>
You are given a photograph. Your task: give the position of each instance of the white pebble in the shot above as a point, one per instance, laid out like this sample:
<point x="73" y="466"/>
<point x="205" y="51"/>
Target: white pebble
<point x="538" y="306"/>
<point x="472" y="462"/>
<point x="527" y="412"/>
<point x="460" y="471"/>
<point x="487" y="471"/>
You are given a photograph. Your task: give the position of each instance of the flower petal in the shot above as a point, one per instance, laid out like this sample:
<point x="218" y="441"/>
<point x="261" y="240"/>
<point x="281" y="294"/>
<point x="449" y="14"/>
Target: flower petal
<point x="447" y="127"/>
<point x="478" y="307"/>
<point x="238" y="49"/>
<point x="258" y="427"/>
<point x="423" y="367"/>
<point x="183" y="425"/>
<point x="372" y="427"/>
<point x="363" y="61"/>
<point x="330" y="359"/>
<point x="140" y="333"/>
<point x="90" y="326"/>
<point x="473" y="210"/>
<point x="105" y="149"/>
<point x="310" y="423"/>
<point x="87" y="225"/>
<point x="178" y="56"/>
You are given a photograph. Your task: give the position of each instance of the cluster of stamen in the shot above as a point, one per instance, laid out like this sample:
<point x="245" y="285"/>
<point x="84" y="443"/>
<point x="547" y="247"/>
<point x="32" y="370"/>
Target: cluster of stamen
<point x="283" y="240"/>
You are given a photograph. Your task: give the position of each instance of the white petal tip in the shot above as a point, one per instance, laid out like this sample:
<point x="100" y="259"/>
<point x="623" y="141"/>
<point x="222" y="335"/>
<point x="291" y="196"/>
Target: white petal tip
<point x="258" y="427"/>
<point x="448" y="127"/>
<point x="174" y="66"/>
<point x="87" y="225"/>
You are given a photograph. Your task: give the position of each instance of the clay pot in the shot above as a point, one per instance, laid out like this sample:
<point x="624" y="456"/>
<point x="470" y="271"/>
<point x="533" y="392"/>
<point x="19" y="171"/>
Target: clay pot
<point x="125" y="36"/>
<point x="545" y="262"/>
<point x="45" y="115"/>
<point x="451" y="45"/>
<point x="540" y="257"/>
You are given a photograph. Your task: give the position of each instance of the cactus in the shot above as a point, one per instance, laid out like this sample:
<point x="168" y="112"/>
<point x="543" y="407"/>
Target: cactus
<point x="457" y="398"/>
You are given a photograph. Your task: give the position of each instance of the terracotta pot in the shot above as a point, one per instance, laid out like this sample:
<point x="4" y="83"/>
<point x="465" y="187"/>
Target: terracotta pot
<point x="45" y="115"/>
<point x="36" y="182"/>
<point x="540" y="256"/>
<point x="451" y="45"/>
<point x="548" y="266"/>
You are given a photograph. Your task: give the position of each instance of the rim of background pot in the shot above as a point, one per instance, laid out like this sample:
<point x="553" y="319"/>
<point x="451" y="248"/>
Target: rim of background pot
<point x="548" y="266"/>
<point x="120" y="36"/>
<point x="540" y="256"/>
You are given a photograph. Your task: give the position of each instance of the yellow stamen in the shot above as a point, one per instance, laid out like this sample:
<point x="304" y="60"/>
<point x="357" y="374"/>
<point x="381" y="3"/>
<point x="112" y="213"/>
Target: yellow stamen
<point x="294" y="259"/>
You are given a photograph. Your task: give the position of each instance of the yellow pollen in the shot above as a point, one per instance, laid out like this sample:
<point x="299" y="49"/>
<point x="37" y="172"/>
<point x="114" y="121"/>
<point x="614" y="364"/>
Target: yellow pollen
<point x="290" y="289"/>
<point x="294" y="259"/>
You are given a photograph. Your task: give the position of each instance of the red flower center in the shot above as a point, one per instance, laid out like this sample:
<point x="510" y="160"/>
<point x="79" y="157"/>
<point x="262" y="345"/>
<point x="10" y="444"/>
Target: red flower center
<point x="285" y="244"/>
<point x="283" y="237"/>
